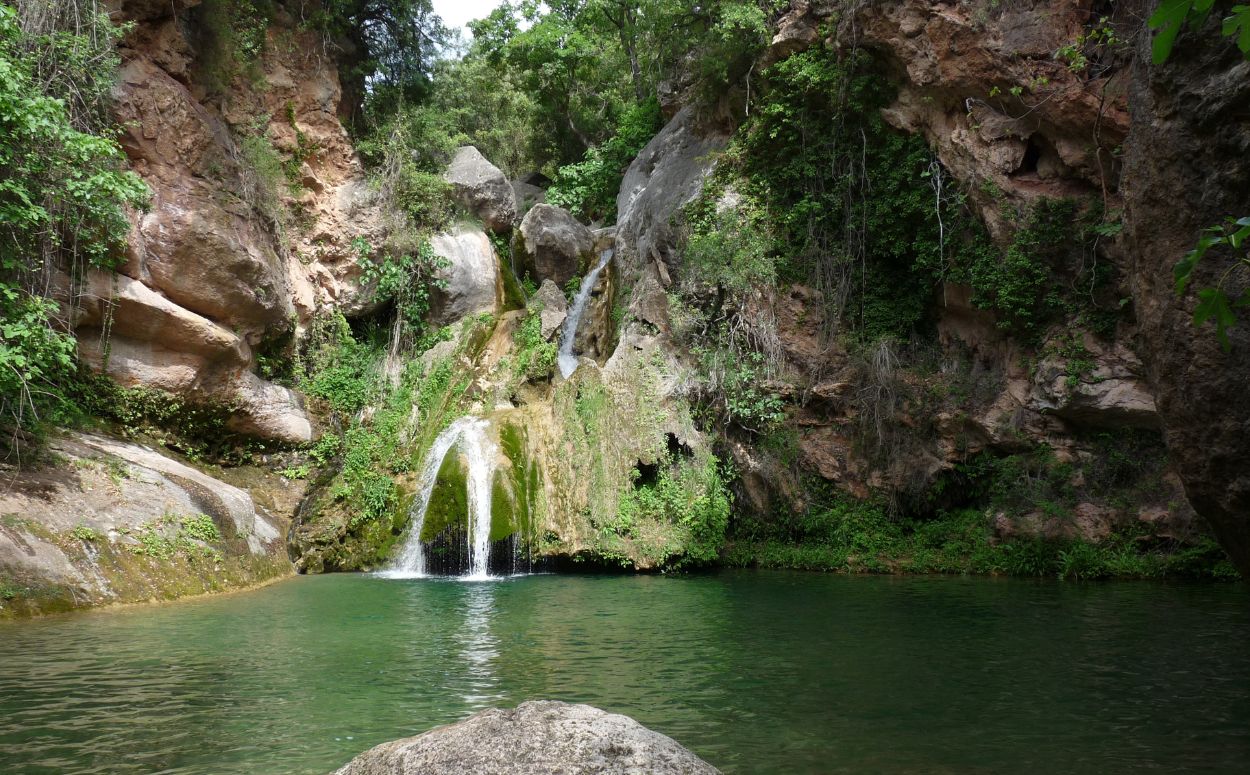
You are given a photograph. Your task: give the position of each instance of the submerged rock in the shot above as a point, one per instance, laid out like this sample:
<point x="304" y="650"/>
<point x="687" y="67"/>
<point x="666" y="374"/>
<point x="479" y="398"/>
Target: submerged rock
<point x="482" y="188"/>
<point x="535" y="737"/>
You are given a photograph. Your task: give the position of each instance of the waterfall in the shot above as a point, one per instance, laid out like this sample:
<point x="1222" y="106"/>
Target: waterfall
<point x="469" y="435"/>
<point x="568" y="361"/>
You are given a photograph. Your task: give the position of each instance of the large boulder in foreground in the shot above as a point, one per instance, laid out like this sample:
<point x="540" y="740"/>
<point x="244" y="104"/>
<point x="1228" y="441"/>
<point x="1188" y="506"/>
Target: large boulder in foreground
<point x="482" y="188"/>
<point x="535" y="738"/>
<point x="552" y="244"/>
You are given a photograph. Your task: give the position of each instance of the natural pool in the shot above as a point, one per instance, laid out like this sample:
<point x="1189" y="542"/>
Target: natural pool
<point x="758" y="672"/>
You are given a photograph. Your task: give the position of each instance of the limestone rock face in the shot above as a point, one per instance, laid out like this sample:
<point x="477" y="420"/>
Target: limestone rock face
<point x="201" y="248"/>
<point x="1186" y="167"/>
<point x="667" y="173"/>
<point x="73" y="531"/>
<point x="555" y="308"/>
<point x="536" y="738"/>
<point x="214" y="269"/>
<point x="552" y="244"/>
<point x="947" y="61"/>
<point x="1110" y="392"/>
<point x="482" y="189"/>
<point x="472" y="278"/>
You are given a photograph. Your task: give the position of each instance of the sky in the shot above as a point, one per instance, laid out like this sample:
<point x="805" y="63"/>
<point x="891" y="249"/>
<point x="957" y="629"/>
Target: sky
<point x="456" y="13"/>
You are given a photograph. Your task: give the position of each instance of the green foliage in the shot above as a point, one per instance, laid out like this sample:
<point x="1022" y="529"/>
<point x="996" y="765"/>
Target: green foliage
<point x="63" y="196"/>
<point x="233" y="39"/>
<point x="404" y="279"/>
<point x="85" y="533"/>
<point x="189" y="426"/>
<point x="731" y="247"/>
<point x="1098" y="40"/>
<point x="34" y="356"/>
<point x="340" y="370"/>
<point x="1172" y="15"/>
<point x="962" y="531"/>
<point x="565" y="86"/>
<point x="407" y="151"/>
<point x="688" y="493"/>
<point x="570" y="65"/>
<point x="1018" y="286"/>
<point x="172" y="536"/>
<point x="588" y="188"/>
<point x="854" y="208"/>
<point x="851" y="536"/>
<point x="265" y="170"/>
<point x="733" y="385"/>
<point x="485" y="106"/>
<point x="389" y="440"/>
<point x="735" y="38"/>
<point x="1050" y="271"/>
<point x="393" y="45"/>
<point x="1216" y="303"/>
<point x="201" y="527"/>
<point x="534" y="357"/>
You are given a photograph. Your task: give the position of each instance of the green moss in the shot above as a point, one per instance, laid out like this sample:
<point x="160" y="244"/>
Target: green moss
<point x="21" y="598"/>
<point x="502" y="510"/>
<point x="449" y="502"/>
<point x="513" y="294"/>
<point x="522" y="474"/>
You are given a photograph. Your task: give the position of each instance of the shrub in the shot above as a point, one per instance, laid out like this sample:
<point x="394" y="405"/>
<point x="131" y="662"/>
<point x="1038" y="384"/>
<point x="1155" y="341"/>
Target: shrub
<point x="686" y="492"/>
<point x="63" y="196"/>
<point x="535" y="357"/>
<point x="588" y="188"/>
<point x="340" y="370"/>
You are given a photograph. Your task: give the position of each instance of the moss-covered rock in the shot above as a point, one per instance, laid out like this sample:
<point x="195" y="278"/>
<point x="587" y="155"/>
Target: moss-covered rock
<point x="106" y="521"/>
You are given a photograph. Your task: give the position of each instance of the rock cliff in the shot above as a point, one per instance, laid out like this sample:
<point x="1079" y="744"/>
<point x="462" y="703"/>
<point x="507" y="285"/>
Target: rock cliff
<point x="262" y="211"/>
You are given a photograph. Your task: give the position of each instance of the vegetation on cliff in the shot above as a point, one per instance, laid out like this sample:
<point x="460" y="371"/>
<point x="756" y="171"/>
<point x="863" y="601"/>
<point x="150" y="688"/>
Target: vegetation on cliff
<point x="801" y="312"/>
<point x="64" y="192"/>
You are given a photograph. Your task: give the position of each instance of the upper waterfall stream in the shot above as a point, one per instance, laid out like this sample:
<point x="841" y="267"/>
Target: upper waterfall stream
<point x="568" y="336"/>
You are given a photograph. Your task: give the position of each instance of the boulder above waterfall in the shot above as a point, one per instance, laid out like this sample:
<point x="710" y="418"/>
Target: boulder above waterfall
<point x="552" y="244"/>
<point x="482" y="188"/>
<point x="471" y="278"/>
<point x="536" y="737"/>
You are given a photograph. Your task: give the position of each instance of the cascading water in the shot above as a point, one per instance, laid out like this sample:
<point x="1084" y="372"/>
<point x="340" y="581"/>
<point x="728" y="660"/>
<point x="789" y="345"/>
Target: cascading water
<point x="469" y="435"/>
<point x="568" y="361"/>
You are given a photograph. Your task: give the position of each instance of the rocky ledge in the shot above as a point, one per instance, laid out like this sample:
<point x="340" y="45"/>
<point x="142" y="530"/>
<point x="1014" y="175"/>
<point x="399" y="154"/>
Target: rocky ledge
<point x="535" y="737"/>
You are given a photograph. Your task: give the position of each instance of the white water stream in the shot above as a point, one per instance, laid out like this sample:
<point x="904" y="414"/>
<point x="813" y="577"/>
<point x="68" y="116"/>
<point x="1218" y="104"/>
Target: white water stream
<point x="567" y="360"/>
<point x="468" y="435"/>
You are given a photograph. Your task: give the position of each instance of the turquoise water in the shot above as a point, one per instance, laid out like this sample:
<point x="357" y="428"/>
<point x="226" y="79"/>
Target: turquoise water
<point x="757" y="672"/>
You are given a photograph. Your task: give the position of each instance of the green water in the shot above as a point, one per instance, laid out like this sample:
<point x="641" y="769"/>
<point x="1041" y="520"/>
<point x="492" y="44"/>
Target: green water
<point x="757" y="672"/>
